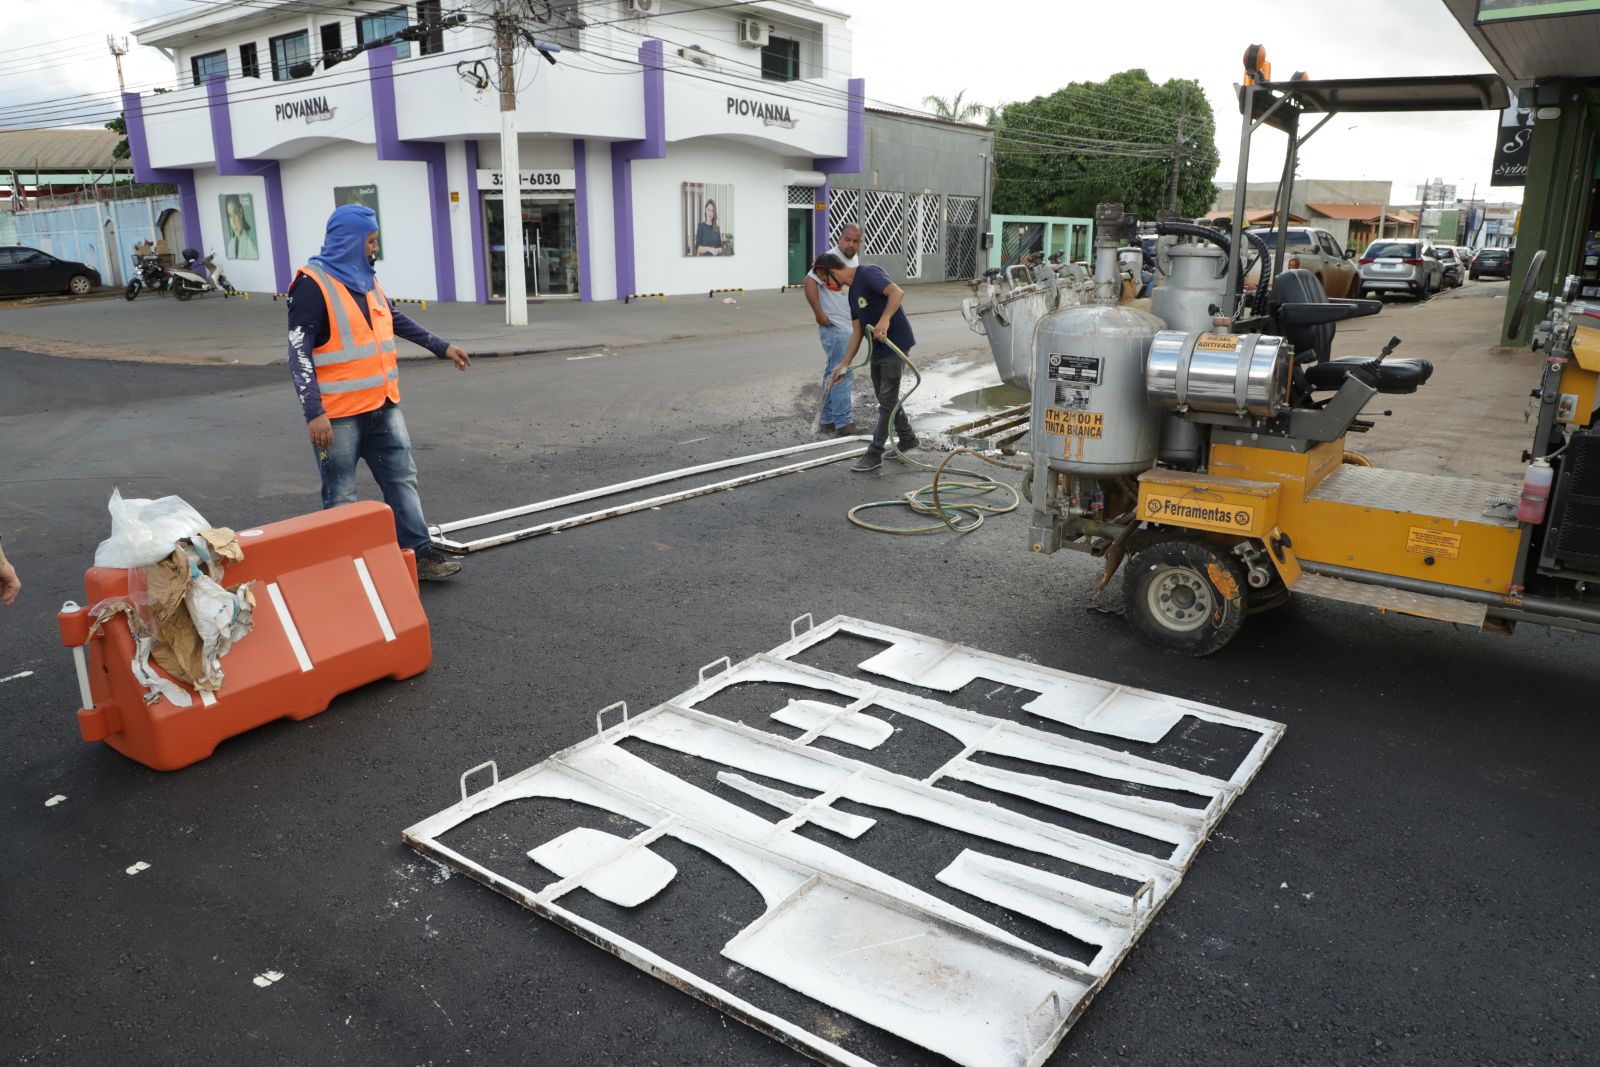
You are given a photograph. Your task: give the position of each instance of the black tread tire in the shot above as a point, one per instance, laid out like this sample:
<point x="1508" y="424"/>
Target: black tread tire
<point x="1197" y="561"/>
<point x="73" y="287"/>
<point x="182" y="292"/>
<point x="131" y="291"/>
<point x="1275" y="595"/>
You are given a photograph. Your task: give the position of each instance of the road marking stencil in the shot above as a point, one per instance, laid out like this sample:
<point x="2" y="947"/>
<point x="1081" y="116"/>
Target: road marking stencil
<point x="850" y="938"/>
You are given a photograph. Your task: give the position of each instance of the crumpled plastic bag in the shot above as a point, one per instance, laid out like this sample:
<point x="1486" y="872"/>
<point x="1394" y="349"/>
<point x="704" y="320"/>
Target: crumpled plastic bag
<point x="181" y="616"/>
<point x="145" y="532"/>
<point x="195" y="620"/>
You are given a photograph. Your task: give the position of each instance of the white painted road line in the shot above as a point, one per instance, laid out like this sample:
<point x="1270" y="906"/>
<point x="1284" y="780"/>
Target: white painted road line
<point x="14" y="677"/>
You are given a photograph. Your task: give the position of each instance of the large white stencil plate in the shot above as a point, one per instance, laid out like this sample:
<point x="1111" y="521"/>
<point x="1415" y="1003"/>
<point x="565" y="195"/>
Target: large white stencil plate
<point x="847" y="935"/>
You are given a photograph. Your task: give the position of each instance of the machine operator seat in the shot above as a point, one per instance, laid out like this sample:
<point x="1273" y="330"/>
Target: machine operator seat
<point x="1306" y="319"/>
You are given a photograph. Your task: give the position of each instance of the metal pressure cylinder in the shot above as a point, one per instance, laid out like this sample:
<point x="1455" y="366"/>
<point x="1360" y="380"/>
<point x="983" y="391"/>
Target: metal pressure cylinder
<point x="1190" y="280"/>
<point x="1090" y="415"/>
<point x="1230" y="374"/>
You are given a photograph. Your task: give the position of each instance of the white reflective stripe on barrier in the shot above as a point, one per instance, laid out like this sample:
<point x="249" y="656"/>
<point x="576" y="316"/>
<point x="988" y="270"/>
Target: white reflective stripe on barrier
<point x="372" y="598"/>
<point x="276" y="595"/>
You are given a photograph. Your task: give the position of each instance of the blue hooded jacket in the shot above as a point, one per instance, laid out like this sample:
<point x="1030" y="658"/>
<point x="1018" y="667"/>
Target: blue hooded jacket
<point x="344" y="247"/>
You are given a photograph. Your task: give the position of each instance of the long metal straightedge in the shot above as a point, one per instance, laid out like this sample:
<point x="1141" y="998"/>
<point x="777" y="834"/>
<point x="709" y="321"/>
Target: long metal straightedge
<point x="437" y="533"/>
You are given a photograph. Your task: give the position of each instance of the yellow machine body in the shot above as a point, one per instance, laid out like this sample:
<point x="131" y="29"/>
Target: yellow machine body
<point x="1435" y="529"/>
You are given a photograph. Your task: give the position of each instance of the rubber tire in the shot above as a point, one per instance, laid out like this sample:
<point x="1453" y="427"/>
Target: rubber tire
<point x="131" y="291"/>
<point x="1198" y="560"/>
<point x="80" y="290"/>
<point x="1275" y="595"/>
<point x="182" y="292"/>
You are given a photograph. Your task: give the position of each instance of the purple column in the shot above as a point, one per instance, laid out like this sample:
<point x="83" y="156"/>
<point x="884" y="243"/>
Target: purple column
<point x="183" y="178"/>
<point x="480" y="273"/>
<point x="852" y="162"/>
<point x="819" y="240"/>
<point x="230" y="166"/>
<point x="855" y="135"/>
<point x="390" y="147"/>
<point x="623" y="153"/>
<point x="580" y="165"/>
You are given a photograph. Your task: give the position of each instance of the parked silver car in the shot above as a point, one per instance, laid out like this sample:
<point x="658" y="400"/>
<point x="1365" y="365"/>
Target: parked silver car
<point x="1455" y="271"/>
<point x="1407" y="265"/>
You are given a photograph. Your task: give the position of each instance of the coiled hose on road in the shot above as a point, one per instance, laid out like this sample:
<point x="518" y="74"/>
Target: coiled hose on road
<point x="963" y="514"/>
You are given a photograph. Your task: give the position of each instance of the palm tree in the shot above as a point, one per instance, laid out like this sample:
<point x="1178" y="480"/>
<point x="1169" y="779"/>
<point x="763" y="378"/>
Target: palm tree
<point x="955" y="110"/>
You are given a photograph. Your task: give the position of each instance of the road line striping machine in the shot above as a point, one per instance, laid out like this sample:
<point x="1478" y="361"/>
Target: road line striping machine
<point x="1203" y="441"/>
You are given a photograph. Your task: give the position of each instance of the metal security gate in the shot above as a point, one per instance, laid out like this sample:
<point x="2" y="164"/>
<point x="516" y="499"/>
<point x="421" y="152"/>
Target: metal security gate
<point x="961" y="238"/>
<point x="883" y="234"/>
<point x="922" y="231"/>
<point x="844" y="207"/>
<point x="1018" y="239"/>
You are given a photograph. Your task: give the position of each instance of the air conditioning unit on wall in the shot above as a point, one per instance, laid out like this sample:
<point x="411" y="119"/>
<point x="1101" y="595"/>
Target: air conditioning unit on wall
<point x="753" y="32"/>
<point x="642" y="7"/>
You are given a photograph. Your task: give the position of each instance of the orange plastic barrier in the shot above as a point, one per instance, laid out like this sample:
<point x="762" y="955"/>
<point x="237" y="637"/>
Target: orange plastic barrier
<point x="336" y="608"/>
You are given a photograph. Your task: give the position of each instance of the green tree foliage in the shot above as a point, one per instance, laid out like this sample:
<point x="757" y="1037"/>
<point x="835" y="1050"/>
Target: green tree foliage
<point x="952" y="108"/>
<point x="1105" y="142"/>
<point x="119" y="125"/>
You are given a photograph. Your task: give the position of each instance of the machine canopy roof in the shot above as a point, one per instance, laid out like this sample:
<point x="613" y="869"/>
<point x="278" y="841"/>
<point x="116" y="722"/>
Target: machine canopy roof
<point x="1456" y="92"/>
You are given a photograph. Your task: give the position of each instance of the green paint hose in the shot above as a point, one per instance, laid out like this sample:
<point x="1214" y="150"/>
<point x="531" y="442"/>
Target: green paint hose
<point x="958" y="505"/>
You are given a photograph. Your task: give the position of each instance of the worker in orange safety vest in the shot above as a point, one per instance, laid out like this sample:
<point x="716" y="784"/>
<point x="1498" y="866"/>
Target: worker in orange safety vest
<point x="342" y="333"/>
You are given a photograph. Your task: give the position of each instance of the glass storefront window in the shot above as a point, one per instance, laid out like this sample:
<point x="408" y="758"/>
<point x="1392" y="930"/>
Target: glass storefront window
<point x="549" y="245"/>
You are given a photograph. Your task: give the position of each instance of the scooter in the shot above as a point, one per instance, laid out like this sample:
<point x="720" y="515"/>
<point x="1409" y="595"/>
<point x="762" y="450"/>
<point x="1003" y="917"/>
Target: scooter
<point x="185" y="282"/>
<point x="208" y="269"/>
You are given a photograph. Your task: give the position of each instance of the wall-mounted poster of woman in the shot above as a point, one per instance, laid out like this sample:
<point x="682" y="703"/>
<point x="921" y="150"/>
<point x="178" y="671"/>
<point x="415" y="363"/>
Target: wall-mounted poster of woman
<point x="708" y="219"/>
<point x="238" y="226"/>
<point x="363" y="196"/>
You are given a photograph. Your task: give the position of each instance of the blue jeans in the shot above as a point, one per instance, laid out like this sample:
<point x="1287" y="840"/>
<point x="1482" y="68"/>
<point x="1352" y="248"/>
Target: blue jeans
<point x="380" y="438"/>
<point x="836" y="409"/>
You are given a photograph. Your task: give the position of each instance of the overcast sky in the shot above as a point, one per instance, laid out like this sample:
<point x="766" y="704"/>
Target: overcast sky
<point x="996" y="52"/>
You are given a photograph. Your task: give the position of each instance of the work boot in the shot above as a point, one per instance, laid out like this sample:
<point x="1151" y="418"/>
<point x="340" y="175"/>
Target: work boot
<point x="867" y="464"/>
<point x="433" y="565"/>
<point x="847" y="430"/>
<point x="825" y="429"/>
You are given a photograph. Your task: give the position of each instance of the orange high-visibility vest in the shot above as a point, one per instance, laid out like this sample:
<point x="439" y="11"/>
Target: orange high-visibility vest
<point x="357" y="369"/>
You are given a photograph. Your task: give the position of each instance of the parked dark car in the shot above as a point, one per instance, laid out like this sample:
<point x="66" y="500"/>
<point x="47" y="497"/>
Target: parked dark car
<point x="1492" y="263"/>
<point x="28" y="270"/>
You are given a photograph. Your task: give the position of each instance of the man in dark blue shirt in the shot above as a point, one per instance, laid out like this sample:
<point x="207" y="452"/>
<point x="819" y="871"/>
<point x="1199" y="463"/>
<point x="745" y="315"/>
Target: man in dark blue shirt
<point x="875" y="306"/>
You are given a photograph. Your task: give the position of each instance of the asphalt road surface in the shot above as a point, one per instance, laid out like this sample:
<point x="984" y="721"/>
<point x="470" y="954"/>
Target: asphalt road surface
<point x="1411" y="878"/>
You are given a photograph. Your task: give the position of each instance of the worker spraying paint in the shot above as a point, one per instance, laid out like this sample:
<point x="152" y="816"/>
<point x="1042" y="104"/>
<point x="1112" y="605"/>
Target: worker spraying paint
<point x="875" y="305"/>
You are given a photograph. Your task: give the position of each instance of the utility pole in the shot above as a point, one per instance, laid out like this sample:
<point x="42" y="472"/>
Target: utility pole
<point x="118" y="50"/>
<point x="1178" y="150"/>
<point x="505" y="40"/>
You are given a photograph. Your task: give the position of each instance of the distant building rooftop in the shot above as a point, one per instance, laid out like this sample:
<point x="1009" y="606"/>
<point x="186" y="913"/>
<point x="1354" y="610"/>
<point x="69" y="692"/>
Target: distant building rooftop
<point x="56" y="150"/>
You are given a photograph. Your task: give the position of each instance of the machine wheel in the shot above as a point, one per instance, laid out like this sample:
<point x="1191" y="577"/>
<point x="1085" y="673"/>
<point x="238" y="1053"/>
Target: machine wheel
<point x="131" y="291"/>
<point x="182" y="292"/>
<point x="1275" y="595"/>
<point x="79" y="285"/>
<point x="1185" y="595"/>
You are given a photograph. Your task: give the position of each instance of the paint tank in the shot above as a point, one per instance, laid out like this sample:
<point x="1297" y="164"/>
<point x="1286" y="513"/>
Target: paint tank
<point x="1090" y="415"/>
<point x="1192" y="280"/>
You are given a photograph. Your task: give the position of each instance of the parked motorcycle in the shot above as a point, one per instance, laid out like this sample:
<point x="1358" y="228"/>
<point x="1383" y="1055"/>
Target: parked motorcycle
<point x="147" y="274"/>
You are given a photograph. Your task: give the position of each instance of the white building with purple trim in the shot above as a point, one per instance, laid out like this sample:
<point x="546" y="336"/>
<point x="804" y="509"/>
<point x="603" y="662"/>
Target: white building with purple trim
<point x="672" y="147"/>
